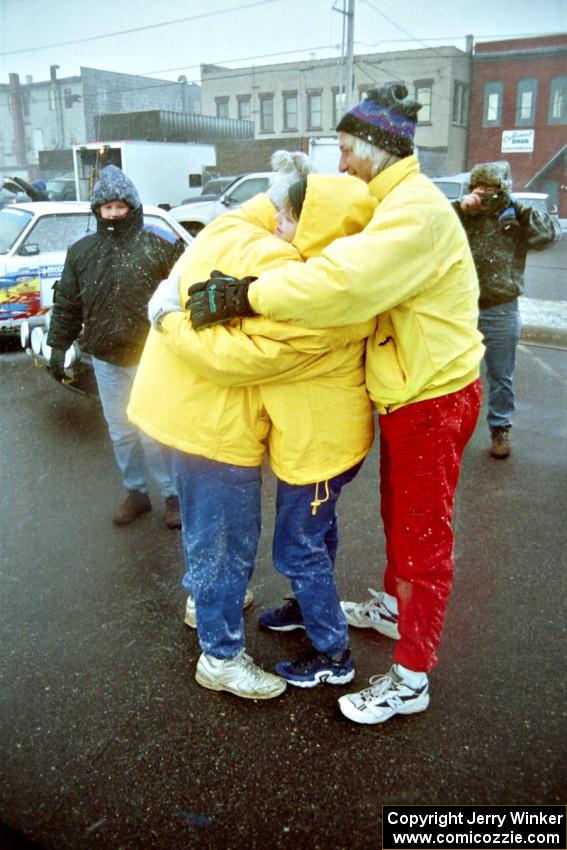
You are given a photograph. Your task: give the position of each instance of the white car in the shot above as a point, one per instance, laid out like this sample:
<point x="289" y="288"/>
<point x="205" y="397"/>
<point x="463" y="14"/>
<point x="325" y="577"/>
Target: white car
<point x="196" y="214"/>
<point x="34" y="238"/>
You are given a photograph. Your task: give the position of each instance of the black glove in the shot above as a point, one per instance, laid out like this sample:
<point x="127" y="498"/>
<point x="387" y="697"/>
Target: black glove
<point x="219" y="299"/>
<point x="57" y="364"/>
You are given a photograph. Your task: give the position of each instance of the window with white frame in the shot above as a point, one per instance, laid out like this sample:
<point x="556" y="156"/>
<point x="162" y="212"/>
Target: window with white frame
<point x="558" y="101"/>
<point x="492" y="110"/>
<point x="221" y="107"/>
<point x="244" y="108"/>
<point x="314" y="110"/>
<point x="424" y="95"/>
<point x="290" y="110"/>
<point x="266" y="113"/>
<point x="526" y="102"/>
<point x="460" y="103"/>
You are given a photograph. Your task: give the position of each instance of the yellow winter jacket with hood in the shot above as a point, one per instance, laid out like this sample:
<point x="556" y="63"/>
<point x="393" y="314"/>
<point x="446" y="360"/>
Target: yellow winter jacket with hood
<point x="411" y="267"/>
<point x="228" y="391"/>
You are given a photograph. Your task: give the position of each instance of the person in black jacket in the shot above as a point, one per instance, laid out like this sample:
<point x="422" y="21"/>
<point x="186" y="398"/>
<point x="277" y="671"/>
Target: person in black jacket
<point x="107" y="281"/>
<point x="500" y="233"/>
<point x="36" y="191"/>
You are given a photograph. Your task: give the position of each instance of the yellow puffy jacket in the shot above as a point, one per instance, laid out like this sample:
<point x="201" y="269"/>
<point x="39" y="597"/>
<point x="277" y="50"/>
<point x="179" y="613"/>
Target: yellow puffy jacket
<point x="411" y="267"/>
<point x="228" y="391"/>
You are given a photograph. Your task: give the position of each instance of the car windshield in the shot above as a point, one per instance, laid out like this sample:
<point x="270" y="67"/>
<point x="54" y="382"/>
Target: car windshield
<point x="538" y="204"/>
<point x="248" y="189"/>
<point x="57" y="232"/>
<point x="450" y="189"/>
<point x="12" y="223"/>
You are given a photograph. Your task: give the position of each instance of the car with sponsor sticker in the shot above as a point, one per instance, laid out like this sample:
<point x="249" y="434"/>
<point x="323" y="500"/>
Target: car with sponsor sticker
<point x="34" y="238"/>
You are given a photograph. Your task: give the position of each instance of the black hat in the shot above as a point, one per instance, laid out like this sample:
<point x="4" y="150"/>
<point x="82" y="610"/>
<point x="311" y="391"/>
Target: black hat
<point x="384" y="119"/>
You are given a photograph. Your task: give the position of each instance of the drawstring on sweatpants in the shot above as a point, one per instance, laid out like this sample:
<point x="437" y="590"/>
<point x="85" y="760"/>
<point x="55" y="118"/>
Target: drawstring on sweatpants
<point x="317" y="501"/>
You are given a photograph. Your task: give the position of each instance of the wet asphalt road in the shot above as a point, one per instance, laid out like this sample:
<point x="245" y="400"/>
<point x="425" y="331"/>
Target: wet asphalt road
<point x="107" y="741"/>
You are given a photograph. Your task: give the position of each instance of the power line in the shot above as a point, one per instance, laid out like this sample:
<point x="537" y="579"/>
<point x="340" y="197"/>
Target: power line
<point x="136" y="29"/>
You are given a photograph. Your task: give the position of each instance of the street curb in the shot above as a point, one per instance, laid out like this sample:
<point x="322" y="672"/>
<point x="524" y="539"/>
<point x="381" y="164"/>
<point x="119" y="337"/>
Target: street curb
<point x="542" y="335"/>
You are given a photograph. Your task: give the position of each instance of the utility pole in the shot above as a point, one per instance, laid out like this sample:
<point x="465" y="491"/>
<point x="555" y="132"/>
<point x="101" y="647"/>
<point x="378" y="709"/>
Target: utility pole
<point x="349" y="87"/>
<point x="18" y="120"/>
<point x="346" y="80"/>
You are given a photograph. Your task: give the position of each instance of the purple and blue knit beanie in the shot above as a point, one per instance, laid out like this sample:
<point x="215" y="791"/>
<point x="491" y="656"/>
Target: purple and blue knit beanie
<point x="384" y="119"/>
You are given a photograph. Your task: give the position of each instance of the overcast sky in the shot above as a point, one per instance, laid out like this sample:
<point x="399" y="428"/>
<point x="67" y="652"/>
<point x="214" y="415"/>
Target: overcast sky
<point x="174" y="38"/>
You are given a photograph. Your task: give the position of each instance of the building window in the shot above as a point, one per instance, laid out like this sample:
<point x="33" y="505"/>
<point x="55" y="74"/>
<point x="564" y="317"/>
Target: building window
<point x="460" y="103"/>
<point x="314" y="110"/>
<point x="423" y="95"/>
<point x="558" y="101"/>
<point x="266" y="113"/>
<point x="290" y="110"/>
<point x="492" y="111"/>
<point x="339" y="106"/>
<point x="222" y="107"/>
<point x="244" y="109"/>
<point x="526" y="102"/>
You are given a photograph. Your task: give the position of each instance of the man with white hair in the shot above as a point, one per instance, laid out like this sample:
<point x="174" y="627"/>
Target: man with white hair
<point x="412" y="267"/>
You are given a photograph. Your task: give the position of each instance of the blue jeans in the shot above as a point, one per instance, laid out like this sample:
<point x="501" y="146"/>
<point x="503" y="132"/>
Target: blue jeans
<point x="221" y="519"/>
<point x="220" y="508"/>
<point x="135" y="452"/>
<point x="304" y="549"/>
<point x="501" y="327"/>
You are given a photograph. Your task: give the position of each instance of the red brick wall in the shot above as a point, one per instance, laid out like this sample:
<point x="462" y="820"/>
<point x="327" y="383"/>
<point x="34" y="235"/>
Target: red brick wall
<point x="485" y="142"/>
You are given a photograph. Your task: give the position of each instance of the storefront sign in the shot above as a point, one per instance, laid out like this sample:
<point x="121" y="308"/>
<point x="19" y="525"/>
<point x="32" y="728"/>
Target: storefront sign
<point x="518" y="141"/>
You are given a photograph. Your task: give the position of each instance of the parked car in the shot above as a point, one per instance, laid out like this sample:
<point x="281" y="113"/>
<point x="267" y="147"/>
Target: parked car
<point x="541" y="202"/>
<point x="62" y="188"/>
<point x="34" y="238"/>
<point x="196" y="215"/>
<point x="211" y="190"/>
<point x="454" y="186"/>
<point x="38" y="236"/>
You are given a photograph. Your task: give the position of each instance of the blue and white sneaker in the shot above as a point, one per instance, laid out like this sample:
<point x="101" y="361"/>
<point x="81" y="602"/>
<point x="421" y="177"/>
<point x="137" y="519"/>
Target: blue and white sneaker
<point x="313" y="668"/>
<point x="386" y="696"/>
<point x="373" y="614"/>
<point x="283" y="619"/>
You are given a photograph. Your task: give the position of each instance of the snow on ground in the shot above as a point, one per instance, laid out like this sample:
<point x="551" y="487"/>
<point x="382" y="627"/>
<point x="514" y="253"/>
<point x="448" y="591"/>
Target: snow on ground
<point x="549" y="314"/>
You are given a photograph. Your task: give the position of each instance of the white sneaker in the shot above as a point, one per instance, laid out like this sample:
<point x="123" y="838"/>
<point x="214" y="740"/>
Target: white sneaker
<point x="239" y="676"/>
<point x="386" y="696"/>
<point x="373" y="614"/>
<point x="191" y="610"/>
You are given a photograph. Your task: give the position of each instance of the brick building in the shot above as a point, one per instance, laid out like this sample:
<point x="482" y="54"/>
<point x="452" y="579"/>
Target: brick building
<point x="519" y="111"/>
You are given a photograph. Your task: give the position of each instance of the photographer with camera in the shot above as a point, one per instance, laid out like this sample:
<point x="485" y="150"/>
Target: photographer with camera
<point x="500" y="233"/>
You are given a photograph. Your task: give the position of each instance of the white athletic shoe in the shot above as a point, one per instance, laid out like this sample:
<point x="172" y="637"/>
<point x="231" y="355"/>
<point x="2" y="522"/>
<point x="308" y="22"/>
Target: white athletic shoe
<point x="191" y="610"/>
<point x="373" y="614"/>
<point x="239" y="676"/>
<point x="386" y="696"/>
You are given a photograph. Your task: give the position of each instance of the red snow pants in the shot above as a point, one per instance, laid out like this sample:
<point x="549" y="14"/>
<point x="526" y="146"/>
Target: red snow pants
<point x="421" y="447"/>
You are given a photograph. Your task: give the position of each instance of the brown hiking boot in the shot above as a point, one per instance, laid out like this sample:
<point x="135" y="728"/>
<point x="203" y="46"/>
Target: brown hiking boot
<point x="134" y="504"/>
<point x="500" y="443"/>
<point x="172" y="515"/>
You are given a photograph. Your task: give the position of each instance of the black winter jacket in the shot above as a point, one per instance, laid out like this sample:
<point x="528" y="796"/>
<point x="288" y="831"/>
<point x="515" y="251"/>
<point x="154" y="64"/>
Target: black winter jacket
<point x="500" y="238"/>
<point x="107" y="281"/>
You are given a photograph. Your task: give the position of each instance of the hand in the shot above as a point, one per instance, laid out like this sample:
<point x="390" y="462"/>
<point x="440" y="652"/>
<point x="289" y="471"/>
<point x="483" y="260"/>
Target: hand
<point x="219" y="299"/>
<point x="57" y="364"/>
<point x="164" y="300"/>
<point x="471" y="202"/>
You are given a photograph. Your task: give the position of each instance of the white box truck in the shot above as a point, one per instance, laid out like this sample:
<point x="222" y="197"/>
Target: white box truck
<point x="324" y="154"/>
<point x="164" y="173"/>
